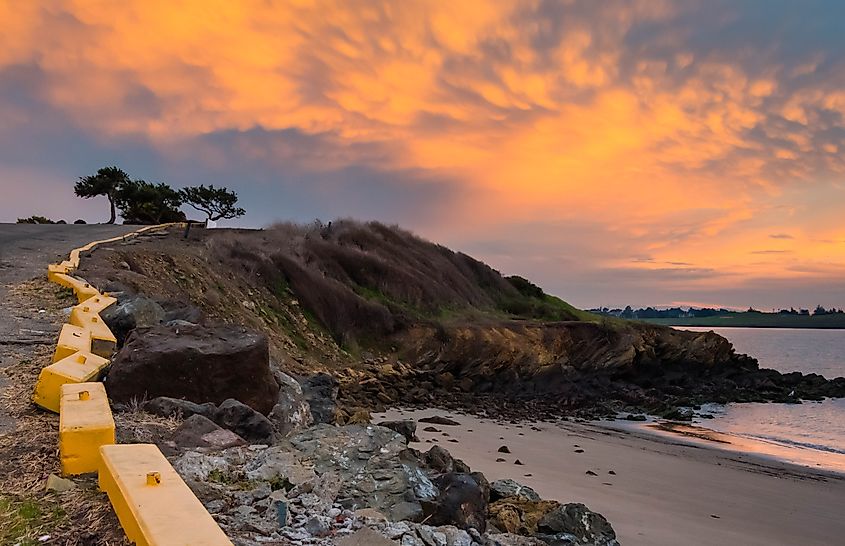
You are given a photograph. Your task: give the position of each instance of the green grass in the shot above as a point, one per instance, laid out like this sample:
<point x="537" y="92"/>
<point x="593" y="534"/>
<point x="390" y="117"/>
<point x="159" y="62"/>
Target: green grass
<point x="757" y="320"/>
<point x="23" y="520"/>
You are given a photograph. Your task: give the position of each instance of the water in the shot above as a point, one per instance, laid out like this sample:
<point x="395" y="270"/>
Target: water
<point x="812" y="433"/>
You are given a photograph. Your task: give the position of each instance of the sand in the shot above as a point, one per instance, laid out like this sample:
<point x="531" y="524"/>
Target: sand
<point x="666" y="490"/>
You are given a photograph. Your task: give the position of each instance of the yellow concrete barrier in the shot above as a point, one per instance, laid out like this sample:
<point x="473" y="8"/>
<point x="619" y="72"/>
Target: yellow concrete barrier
<point x="80" y="367"/>
<point x="82" y="289"/>
<point x="63" y="268"/>
<point x="103" y="342"/>
<point x="152" y="503"/>
<point x="85" y="424"/>
<point x="98" y="304"/>
<point x="72" y="339"/>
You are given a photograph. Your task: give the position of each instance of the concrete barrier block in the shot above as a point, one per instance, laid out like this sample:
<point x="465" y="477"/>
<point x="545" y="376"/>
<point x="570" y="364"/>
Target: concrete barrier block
<point x="98" y="304"/>
<point x="72" y="339"/>
<point x="63" y="268"/>
<point x="80" y="367"/>
<point x="103" y="342"/>
<point x="152" y="503"/>
<point x="85" y="424"/>
<point x="85" y="291"/>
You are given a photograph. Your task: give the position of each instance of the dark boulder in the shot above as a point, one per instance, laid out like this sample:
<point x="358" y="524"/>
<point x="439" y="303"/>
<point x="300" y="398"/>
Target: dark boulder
<point x="502" y="489"/>
<point x="128" y="314"/>
<point x="292" y="411"/>
<point x="575" y="519"/>
<point x="245" y="422"/>
<point x="197" y="363"/>
<point x="461" y="502"/>
<point x="200" y="432"/>
<point x="405" y="427"/>
<point x="440" y="461"/>
<point x="321" y="391"/>
<point x="164" y="406"/>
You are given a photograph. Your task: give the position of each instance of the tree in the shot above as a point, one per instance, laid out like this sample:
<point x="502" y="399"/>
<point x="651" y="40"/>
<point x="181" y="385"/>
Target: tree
<point x="107" y="181"/>
<point x="142" y="202"/>
<point x="216" y="203"/>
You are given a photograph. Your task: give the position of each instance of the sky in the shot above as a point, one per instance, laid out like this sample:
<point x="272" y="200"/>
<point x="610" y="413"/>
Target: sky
<point x="615" y="152"/>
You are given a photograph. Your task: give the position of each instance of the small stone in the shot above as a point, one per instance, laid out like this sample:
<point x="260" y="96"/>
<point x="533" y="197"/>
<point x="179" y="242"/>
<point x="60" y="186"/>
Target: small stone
<point x="611" y="472"/>
<point x="579" y="451"/>
<point x="504" y="449"/>
<point x="518" y="462"/>
<point x="59" y="485"/>
<point x="431" y="429"/>
<point x="318" y="526"/>
<point x="438" y="420"/>
<point x="500" y="460"/>
<point x="590" y="473"/>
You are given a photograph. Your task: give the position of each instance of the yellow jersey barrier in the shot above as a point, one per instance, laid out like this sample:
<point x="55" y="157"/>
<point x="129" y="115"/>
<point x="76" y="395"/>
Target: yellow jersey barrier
<point x="85" y="424"/>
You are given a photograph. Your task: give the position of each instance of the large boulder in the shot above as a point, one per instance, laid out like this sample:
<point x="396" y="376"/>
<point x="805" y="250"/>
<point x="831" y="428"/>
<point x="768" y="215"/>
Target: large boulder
<point x="577" y="524"/>
<point x="321" y="391"/>
<point x="129" y="314"/>
<point x="405" y="427"/>
<point x="461" y="502"/>
<point x="519" y="516"/>
<point x="440" y="461"/>
<point x="165" y="406"/>
<point x="502" y="489"/>
<point x="199" y="432"/>
<point x="376" y="470"/>
<point x="245" y="422"/>
<point x="197" y="363"/>
<point x="292" y="411"/>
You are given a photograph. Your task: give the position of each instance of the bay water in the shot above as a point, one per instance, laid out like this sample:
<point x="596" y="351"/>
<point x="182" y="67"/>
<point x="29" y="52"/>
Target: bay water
<point x="811" y="433"/>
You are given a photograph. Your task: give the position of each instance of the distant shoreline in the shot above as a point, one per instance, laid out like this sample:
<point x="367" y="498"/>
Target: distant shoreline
<point x="764" y="321"/>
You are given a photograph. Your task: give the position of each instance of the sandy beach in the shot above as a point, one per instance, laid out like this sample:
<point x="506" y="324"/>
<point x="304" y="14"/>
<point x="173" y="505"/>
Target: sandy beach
<point x="655" y="489"/>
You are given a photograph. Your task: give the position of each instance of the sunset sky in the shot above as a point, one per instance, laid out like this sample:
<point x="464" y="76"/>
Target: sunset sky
<point x="643" y="153"/>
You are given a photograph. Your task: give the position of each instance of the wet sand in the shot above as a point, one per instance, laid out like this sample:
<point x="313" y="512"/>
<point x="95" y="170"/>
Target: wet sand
<point x="665" y="490"/>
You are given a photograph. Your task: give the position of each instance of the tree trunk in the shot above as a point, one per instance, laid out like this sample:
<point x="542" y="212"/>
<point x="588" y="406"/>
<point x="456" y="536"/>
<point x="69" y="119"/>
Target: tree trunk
<point x="111" y="203"/>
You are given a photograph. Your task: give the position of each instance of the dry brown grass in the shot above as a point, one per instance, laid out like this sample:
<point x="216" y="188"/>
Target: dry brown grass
<point x="29" y="453"/>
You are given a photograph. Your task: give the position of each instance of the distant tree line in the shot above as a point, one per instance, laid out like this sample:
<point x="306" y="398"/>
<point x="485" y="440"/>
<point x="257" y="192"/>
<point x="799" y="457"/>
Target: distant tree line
<point x="691" y="312"/>
<point x="142" y="202"/>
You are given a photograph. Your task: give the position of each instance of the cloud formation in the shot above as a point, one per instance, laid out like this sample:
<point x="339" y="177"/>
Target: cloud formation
<point x="674" y="150"/>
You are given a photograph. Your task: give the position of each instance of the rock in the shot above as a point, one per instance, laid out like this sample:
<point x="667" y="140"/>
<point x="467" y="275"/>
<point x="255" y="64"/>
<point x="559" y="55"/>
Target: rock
<point x="461" y="502"/>
<point x="374" y="467"/>
<point x="245" y="422"/>
<point x="504" y="449"/>
<point x="280" y="465"/>
<point x="501" y="489"/>
<point x="320" y="391"/>
<point x="60" y="485"/>
<point x="197" y="363"/>
<point x="292" y="411"/>
<point x="365" y="537"/>
<point x="636" y="417"/>
<point x="199" y="431"/>
<point x="370" y="513"/>
<point x="587" y="526"/>
<point x="441" y="461"/>
<point x="518" y="462"/>
<point x="318" y="526"/>
<point x="519" y="516"/>
<point x="165" y="406"/>
<point x="439" y="420"/>
<point x="127" y="315"/>
<point x="508" y="539"/>
<point x="405" y="427"/>
<point x="431" y="429"/>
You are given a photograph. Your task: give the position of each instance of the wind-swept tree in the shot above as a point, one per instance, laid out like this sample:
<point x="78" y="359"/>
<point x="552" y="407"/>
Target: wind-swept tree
<point x="142" y="202"/>
<point x="216" y="203"/>
<point x="107" y="181"/>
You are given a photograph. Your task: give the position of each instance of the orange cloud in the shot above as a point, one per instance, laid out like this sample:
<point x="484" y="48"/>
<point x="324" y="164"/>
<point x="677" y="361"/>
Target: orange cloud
<point x="542" y="117"/>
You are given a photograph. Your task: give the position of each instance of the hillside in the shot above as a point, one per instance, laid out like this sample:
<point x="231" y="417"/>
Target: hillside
<point x="397" y="319"/>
